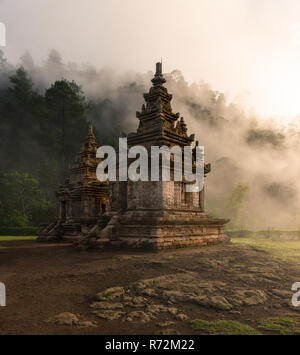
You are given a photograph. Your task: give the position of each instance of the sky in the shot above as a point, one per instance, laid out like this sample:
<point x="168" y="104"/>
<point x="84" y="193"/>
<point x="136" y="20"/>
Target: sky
<point x="248" y="49"/>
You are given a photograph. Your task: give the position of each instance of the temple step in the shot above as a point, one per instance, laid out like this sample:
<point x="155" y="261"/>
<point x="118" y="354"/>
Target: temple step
<point x="71" y="238"/>
<point x="70" y="229"/>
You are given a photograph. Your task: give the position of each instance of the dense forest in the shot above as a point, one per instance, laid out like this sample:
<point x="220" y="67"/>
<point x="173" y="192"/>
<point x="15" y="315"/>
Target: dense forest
<point x="39" y="138"/>
<point x="40" y="134"/>
<point x="44" y="115"/>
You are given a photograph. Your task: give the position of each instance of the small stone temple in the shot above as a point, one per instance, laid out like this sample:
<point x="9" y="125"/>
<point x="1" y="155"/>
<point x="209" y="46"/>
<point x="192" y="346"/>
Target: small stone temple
<point x="155" y="215"/>
<point x="82" y="199"/>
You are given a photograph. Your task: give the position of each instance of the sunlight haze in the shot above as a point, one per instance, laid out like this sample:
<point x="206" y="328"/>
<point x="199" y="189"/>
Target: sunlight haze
<point x="248" y="49"/>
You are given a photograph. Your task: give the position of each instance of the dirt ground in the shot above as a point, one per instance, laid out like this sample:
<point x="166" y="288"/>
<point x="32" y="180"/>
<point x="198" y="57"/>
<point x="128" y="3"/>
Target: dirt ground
<point x="155" y="294"/>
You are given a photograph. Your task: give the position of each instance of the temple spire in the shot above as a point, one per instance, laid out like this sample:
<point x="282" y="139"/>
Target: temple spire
<point x="91" y="129"/>
<point x="90" y="144"/>
<point x="91" y="136"/>
<point x="158" y="77"/>
<point x="158" y="103"/>
<point x="158" y="68"/>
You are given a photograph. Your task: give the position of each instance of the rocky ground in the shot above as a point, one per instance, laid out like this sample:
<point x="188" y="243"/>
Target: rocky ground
<point x="54" y="289"/>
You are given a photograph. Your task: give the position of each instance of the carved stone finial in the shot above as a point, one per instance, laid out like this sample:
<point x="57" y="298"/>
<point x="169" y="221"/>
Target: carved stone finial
<point x="158" y="79"/>
<point x="91" y="129"/>
<point x="89" y="145"/>
<point x="158" y="68"/>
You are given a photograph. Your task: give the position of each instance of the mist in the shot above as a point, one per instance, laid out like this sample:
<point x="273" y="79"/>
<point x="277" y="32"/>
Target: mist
<point x="247" y="49"/>
<point x="232" y="67"/>
<point x="255" y="166"/>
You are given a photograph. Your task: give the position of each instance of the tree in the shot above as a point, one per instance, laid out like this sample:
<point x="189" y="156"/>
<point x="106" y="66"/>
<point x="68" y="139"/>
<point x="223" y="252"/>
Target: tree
<point x="19" y="110"/>
<point x="22" y="202"/>
<point x="54" y="65"/>
<point x="27" y="62"/>
<point x="66" y="107"/>
<point x="6" y="69"/>
<point x="234" y="207"/>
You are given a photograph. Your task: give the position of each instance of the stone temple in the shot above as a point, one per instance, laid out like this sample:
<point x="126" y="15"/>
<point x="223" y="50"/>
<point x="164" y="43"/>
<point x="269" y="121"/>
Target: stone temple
<point x="82" y="198"/>
<point x="154" y="215"/>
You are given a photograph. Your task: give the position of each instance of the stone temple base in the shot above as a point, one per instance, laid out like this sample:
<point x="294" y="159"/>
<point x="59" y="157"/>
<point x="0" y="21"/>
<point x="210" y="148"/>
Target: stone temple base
<point x="71" y="231"/>
<point x="157" y="230"/>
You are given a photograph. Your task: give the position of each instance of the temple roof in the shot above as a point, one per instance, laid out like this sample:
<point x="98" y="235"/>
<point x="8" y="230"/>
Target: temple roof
<point x="158" y="123"/>
<point x="158" y="100"/>
<point x="90" y="143"/>
<point x="86" y="162"/>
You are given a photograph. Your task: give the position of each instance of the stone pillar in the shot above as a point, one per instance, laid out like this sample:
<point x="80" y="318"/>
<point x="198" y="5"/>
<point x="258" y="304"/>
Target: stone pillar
<point x="62" y="210"/>
<point x="201" y="200"/>
<point x="86" y="211"/>
<point x="68" y="209"/>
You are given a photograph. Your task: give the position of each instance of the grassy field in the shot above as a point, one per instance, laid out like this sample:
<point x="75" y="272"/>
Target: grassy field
<point x="288" y="251"/>
<point x="7" y="238"/>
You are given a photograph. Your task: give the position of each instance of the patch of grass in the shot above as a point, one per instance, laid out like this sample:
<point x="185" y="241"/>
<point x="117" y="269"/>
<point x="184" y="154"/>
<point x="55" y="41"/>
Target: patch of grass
<point x="239" y="233"/>
<point x="165" y="332"/>
<point x="223" y="327"/>
<point x="12" y="238"/>
<point x="283" y="326"/>
<point x="288" y="251"/>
